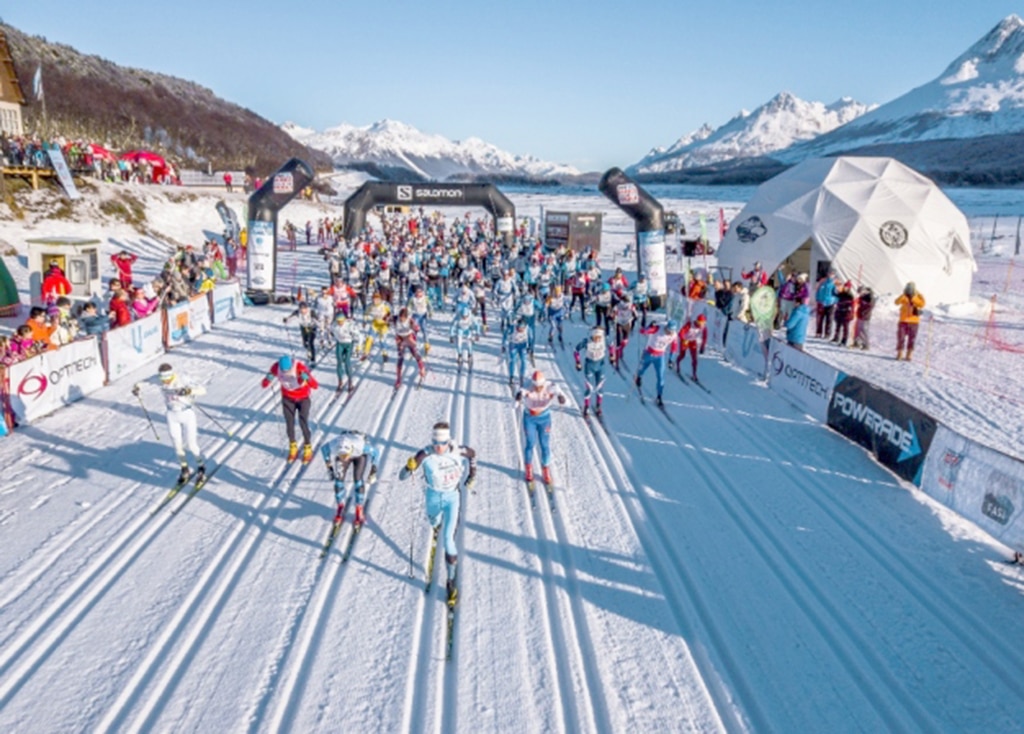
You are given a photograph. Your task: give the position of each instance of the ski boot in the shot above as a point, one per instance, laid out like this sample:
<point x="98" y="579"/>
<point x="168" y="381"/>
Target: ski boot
<point x="661" y="403"/>
<point x="200" y="475"/>
<point x="511" y="382"/>
<point x="597" y="408"/>
<point x="586" y="408"/>
<point x="360" y="518"/>
<point x="469" y="361"/>
<point x="293" y="451"/>
<point x="426" y="348"/>
<point x="423" y="371"/>
<point x="185" y="474"/>
<point x="372" y="477"/>
<point x="545" y="475"/>
<point x="383" y="357"/>
<point x="351" y="387"/>
<point x="307" y="453"/>
<point x="529" y="473"/>
<point x="636" y="381"/>
<point x="458" y="363"/>
<point x="453" y="593"/>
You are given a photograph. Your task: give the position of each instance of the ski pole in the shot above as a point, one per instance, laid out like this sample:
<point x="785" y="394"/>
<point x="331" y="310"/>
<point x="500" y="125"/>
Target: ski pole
<point x="412" y="531"/>
<point x="146" y="413"/>
<point x="219" y="424"/>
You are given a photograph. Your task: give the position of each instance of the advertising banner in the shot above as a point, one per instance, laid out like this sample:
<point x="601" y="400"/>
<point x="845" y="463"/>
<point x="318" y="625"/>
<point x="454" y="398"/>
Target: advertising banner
<point x="131" y="346"/>
<point x="60" y="167"/>
<point x="743" y="346"/>
<point x="897" y="433"/>
<point x="176" y="325"/>
<point x="652" y="260"/>
<point x="978" y="483"/>
<point x="801" y="379"/>
<point x="260" y="256"/>
<point x="199" y="316"/>
<point x="52" y="379"/>
<point x="227" y="302"/>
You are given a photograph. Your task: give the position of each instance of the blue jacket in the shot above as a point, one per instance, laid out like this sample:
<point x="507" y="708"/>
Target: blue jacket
<point x="796" y="324"/>
<point x="826" y="293"/>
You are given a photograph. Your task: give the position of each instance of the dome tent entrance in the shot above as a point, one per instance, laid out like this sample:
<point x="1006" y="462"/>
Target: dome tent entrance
<point x="874" y="221"/>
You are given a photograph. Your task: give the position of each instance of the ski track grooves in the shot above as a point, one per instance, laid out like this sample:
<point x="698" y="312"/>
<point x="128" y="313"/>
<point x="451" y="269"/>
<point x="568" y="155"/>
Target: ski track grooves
<point x="68" y="536"/>
<point x="815" y="602"/>
<point x="326" y="584"/>
<point x="63" y="614"/>
<point x="201" y="607"/>
<point x="670" y="570"/>
<point x="576" y="693"/>
<point x="910" y="576"/>
<point x="424" y="650"/>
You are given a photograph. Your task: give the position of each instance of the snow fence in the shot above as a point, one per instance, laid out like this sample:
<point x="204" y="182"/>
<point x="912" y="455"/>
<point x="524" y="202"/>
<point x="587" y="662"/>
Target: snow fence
<point x="977" y="482"/>
<point x="47" y="382"/>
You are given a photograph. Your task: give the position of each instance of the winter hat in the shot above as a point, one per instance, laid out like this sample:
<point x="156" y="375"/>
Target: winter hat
<point x="442" y="433"/>
<point x="702" y="319"/>
<point x="285" y="363"/>
<point x="165" y="371"/>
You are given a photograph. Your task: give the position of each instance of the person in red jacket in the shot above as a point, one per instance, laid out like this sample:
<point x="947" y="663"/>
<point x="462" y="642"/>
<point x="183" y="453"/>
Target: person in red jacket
<point x="123" y="262"/>
<point x="692" y="337"/>
<point x="55" y="284"/>
<point x="296" y="384"/>
<point x="120" y="309"/>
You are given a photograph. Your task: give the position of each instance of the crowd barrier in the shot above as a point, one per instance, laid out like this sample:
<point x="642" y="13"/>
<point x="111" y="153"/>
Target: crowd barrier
<point x="42" y="384"/>
<point x="977" y="482"/>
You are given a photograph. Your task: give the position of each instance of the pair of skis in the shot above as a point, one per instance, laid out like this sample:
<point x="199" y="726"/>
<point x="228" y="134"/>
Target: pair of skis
<point x="339" y="521"/>
<point x="453" y="596"/>
<point x="693" y="381"/>
<point x="549" y="490"/>
<point x="197" y="483"/>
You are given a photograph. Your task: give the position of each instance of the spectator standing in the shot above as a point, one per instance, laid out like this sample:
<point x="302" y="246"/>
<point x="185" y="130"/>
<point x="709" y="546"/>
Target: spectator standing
<point x="55" y="284"/>
<point x="797" y="324"/>
<point x="227" y="181"/>
<point x="861" y="330"/>
<point x="123" y="262"/>
<point x="846" y="302"/>
<point x="826" y="299"/>
<point x="911" y="303"/>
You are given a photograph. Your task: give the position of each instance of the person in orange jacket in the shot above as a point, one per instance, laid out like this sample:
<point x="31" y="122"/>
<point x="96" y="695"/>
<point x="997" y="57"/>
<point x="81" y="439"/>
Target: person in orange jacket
<point x="42" y="327"/>
<point x="911" y="304"/>
<point x="296" y="384"/>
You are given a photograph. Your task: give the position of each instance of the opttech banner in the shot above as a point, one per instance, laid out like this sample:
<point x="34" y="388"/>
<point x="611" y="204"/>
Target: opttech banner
<point x="898" y="434"/>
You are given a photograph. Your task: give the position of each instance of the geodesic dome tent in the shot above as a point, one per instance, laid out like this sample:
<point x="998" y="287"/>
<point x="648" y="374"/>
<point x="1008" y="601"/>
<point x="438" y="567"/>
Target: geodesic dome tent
<point x="874" y="221"/>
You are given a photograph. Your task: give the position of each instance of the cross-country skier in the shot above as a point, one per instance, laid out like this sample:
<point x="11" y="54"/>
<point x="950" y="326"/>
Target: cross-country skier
<point x="536" y="404"/>
<point x="659" y="340"/>
<point x="505" y="292"/>
<point x="442" y="470"/>
<point x="421" y="310"/>
<point x="307" y="327"/>
<point x="405" y="339"/>
<point x="465" y="330"/>
<point x="595" y="355"/>
<point x="556" y="310"/>
<point x="602" y="307"/>
<point x="351" y="448"/>
<point x="379" y="316"/>
<point x="347" y="334"/>
<point x="518" y="347"/>
<point x="624" y="315"/>
<point x="691" y="336"/>
<point x="180" y="393"/>
<point x="527" y="309"/>
<point x="296" y="384"/>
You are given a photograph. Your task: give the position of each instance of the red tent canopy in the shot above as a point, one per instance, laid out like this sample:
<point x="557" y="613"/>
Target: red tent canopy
<point x="100" y="152"/>
<point x="147" y="156"/>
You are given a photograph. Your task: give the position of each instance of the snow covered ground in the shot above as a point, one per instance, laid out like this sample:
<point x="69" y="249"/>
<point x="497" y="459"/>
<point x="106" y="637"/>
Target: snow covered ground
<point x="739" y="569"/>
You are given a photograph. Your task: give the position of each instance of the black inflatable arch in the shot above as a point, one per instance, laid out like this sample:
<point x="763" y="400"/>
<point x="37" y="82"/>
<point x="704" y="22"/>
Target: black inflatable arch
<point x="488" y="196"/>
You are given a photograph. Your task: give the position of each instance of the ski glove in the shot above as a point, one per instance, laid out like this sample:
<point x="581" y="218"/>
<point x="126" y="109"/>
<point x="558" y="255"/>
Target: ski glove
<point x="470" y="481"/>
<point x="578" y="366"/>
<point x="561" y="399"/>
<point x="331" y="474"/>
<point x="136" y="389"/>
<point x="411" y="464"/>
<point x="184" y="391"/>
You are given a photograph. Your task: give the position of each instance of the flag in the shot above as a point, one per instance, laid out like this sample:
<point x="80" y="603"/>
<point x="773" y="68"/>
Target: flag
<point x="721" y="224"/>
<point x="37" y="83"/>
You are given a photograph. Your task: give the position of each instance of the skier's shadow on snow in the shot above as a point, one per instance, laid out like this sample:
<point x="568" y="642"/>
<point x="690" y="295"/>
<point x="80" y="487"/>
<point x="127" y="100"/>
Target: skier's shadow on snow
<point x="623" y="590"/>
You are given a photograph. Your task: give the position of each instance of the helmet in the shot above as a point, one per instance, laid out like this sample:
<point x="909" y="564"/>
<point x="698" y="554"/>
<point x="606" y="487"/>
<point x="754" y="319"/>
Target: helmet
<point x="340" y="317"/>
<point x="166" y="372"/>
<point x="606" y="286"/>
<point x="672" y="325"/>
<point x="702" y="319"/>
<point x="538" y="379"/>
<point x="346" y="447"/>
<point x="285" y="363"/>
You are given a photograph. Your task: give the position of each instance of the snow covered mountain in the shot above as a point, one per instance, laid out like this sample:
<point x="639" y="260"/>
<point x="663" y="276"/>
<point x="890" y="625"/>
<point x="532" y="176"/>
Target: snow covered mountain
<point x="981" y="93"/>
<point x="778" y="124"/>
<point x="396" y="148"/>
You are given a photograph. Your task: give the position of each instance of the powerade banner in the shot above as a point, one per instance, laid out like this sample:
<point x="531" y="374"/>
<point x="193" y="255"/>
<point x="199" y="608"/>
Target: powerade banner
<point x="43" y="384"/>
<point x="60" y="166"/>
<point x="131" y="346"/>
<point x="979" y="483"/>
<point x="227" y="302"/>
<point x="260" y="260"/>
<point x="801" y="379"/>
<point x="898" y="434"/>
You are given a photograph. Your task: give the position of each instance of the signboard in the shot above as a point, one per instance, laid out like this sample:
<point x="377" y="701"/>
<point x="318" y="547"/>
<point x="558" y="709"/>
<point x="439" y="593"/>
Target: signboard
<point x="979" y="483"/>
<point x="53" y="379"/>
<point x="284" y="183"/>
<point x="227" y="302"/>
<point x="651" y="251"/>
<point x="429" y="194"/>
<point x="804" y="381"/>
<point x="743" y="346"/>
<point x="176" y="326"/>
<point x="60" y="167"/>
<point x="198" y="316"/>
<point x="897" y="433"/>
<point x="131" y="346"/>
<point x="627" y="194"/>
<point x="260" y="256"/>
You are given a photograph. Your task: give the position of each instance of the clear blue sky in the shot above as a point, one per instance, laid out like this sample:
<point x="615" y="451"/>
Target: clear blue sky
<point x="593" y="84"/>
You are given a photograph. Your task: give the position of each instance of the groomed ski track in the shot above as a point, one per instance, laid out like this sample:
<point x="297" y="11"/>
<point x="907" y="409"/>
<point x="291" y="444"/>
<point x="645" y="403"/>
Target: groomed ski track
<point x="741" y="569"/>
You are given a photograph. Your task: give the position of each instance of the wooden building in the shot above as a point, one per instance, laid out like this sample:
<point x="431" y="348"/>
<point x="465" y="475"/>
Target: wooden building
<point x="12" y="99"/>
